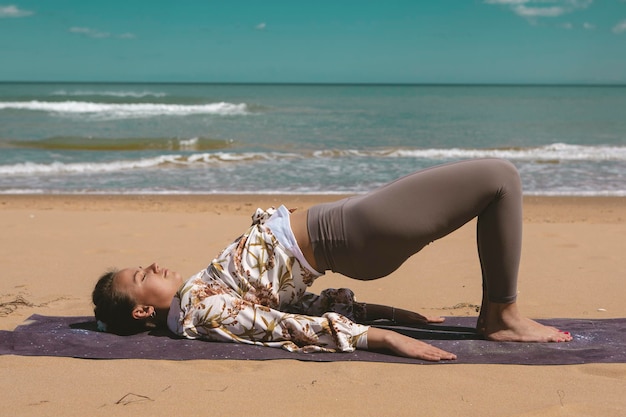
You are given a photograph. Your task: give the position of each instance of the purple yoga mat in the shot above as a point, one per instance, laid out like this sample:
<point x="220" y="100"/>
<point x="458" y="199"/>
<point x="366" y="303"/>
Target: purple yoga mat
<point x="595" y="341"/>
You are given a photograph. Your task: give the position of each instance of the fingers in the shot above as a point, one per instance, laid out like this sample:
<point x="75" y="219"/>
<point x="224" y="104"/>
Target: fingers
<point x="435" y="319"/>
<point x="413" y="348"/>
<point x="436" y="355"/>
<point x="418" y="318"/>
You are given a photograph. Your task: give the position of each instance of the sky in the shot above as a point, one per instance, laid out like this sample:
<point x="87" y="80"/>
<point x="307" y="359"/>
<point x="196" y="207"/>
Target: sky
<point x="321" y="41"/>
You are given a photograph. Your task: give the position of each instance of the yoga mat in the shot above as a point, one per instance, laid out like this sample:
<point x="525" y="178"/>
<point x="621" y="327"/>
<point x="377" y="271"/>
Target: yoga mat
<point x="595" y="341"/>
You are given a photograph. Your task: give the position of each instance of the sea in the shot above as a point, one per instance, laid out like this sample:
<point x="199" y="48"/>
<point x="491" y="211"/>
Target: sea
<point x="104" y="138"/>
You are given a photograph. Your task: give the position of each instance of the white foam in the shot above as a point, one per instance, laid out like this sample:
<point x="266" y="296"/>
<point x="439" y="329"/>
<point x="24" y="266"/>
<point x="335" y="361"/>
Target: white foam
<point x="31" y="168"/>
<point x="217" y="157"/>
<point x="546" y="154"/>
<point x="188" y="143"/>
<point x="126" y="110"/>
<point x="595" y="171"/>
<point x="549" y="153"/>
<point x="134" y="94"/>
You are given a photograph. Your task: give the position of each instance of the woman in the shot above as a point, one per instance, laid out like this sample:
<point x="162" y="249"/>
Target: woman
<point x="255" y="290"/>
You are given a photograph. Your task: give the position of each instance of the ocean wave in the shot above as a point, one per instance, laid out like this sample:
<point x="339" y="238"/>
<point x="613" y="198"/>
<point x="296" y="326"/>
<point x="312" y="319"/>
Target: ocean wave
<point x="31" y="168"/>
<point x="553" y="153"/>
<point x="75" y="143"/>
<point x="214" y="158"/>
<point x="126" y="110"/>
<point x="133" y="94"/>
<point x="550" y="154"/>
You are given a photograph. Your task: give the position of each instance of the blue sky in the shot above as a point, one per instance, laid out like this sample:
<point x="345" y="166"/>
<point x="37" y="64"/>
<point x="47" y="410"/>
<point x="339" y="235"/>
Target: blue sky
<point x="334" y="41"/>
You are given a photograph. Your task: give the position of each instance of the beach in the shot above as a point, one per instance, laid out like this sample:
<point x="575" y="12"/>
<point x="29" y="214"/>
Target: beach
<point x="56" y="246"/>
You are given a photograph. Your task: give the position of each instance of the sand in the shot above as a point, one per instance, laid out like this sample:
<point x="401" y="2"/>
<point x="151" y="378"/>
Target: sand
<point x="55" y="247"/>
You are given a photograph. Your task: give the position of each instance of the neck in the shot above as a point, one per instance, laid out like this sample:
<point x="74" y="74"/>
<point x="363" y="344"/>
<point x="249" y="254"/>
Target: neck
<point x="160" y="321"/>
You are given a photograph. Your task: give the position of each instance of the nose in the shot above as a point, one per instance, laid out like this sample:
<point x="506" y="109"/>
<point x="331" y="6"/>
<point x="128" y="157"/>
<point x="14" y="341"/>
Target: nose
<point x="155" y="267"/>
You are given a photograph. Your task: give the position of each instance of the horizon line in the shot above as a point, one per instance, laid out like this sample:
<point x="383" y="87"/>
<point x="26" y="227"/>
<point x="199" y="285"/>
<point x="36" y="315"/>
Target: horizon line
<point x="363" y="84"/>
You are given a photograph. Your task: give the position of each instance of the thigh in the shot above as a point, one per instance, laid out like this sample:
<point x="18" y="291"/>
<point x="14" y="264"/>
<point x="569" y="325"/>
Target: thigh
<point x="386" y="226"/>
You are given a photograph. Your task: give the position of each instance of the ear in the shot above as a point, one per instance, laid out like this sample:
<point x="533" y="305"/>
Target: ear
<point x="142" y="312"/>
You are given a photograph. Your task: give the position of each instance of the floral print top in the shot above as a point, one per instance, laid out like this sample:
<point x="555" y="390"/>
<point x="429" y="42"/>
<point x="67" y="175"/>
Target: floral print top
<point x="255" y="292"/>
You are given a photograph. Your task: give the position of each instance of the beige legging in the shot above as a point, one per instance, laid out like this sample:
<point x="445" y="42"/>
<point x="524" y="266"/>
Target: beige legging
<point x="369" y="236"/>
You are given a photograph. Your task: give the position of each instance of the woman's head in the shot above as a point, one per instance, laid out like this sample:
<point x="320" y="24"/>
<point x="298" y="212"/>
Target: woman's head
<point x="129" y="299"/>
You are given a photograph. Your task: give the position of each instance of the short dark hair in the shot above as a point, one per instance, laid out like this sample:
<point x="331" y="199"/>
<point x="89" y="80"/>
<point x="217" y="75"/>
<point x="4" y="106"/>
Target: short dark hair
<point x="113" y="308"/>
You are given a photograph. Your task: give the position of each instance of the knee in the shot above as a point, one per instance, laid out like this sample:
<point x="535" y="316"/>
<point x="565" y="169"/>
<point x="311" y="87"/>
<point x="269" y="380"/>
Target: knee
<point x="506" y="172"/>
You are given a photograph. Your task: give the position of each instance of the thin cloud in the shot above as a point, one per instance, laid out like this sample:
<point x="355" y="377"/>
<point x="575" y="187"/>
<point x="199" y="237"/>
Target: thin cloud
<point x="533" y="9"/>
<point x="589" y="26"/>
<point x="93" y="33"/>
<point x="261" y="26"/>
<point x="507" y="2"/>
<point x="12" y="10"/>
<point x="620" y="27"/>
<point x="553" y="11"/>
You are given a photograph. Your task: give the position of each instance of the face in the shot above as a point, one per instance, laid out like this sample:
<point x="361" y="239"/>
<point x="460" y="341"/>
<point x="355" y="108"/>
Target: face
<point x="152" y="287"/>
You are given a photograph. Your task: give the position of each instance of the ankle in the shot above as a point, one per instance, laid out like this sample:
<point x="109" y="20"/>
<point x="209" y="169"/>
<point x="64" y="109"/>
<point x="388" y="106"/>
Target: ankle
<point x="502" y="311"/>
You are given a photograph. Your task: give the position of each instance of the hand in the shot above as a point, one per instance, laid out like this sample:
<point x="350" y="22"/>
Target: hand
<point x="411" y="317"/>
<point x="401" y="345"/>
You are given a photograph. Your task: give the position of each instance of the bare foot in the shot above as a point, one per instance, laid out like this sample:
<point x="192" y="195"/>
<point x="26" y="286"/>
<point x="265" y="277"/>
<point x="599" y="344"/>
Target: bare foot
<point x="504" y="323"/>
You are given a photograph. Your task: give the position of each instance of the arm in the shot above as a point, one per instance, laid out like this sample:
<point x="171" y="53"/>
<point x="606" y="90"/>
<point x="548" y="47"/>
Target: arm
<point x="227" y="318"/>
<point x="375" y="312"/>
<point x="339" y="300"/>
<point x="222" y="317"/>
<point x="342" y="301"/>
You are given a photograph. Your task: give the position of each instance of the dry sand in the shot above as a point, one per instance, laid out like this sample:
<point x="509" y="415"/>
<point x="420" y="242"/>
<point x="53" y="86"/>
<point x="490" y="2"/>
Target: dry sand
<point x="54" y="248"/>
